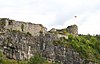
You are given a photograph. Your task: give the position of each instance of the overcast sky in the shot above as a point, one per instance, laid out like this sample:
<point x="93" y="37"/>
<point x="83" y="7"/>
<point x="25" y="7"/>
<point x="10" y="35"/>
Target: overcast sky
<point x="55" y="13"/>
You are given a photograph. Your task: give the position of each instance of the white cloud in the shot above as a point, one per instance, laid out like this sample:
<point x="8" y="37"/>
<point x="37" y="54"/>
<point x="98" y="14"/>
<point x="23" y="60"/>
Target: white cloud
<point x="91" y="24"/>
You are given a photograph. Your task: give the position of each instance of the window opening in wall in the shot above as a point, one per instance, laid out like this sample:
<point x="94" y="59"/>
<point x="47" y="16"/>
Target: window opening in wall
<point x="22" y="27"/>
<point x="10" y="22"/>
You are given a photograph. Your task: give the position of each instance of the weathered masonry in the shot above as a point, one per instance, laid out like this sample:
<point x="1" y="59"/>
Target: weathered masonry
<point x="33" y="29"/>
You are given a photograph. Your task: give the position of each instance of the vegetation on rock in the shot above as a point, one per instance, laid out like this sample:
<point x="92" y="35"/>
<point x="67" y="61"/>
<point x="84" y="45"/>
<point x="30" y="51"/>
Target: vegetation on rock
<point x="63" y="46"/>
<point x="87" y="46"/>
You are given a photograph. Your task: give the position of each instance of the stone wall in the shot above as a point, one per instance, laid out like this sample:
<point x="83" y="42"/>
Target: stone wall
<point x="34" y="29"/>
<point x="73" y="29"/>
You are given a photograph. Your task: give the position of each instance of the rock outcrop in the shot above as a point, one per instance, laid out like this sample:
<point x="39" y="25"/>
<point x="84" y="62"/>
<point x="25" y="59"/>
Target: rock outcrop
<point x="20" y="46"/>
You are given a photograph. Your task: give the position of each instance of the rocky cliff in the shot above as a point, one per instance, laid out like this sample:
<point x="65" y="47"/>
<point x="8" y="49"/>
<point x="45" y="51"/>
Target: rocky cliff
<point x="20" y="46"/>
<point x="53" y="45"/>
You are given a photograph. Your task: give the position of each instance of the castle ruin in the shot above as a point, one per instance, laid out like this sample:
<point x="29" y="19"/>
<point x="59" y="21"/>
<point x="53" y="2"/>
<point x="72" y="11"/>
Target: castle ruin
<point x="26" y="27"/>
<point x="73" y="29"/>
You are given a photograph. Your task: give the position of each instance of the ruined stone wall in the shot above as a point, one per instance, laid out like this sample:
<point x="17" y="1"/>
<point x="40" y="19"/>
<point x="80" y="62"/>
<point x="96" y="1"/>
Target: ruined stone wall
<point x="34" y="29"/>
<point x="73" y="29"/>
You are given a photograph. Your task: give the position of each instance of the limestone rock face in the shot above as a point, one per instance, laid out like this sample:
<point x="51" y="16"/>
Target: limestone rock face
<point x="20" y="46"/>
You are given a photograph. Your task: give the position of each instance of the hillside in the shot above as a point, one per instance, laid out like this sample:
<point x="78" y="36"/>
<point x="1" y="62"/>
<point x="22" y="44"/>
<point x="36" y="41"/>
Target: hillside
<point x="27" y="43"/>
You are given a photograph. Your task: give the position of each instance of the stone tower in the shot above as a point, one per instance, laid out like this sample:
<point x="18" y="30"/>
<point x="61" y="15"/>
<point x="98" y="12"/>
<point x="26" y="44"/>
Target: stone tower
<point x="73" y="29"/>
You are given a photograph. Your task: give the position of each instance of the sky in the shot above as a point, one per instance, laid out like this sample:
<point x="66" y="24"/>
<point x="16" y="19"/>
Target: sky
<point x="55" y="13"/>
